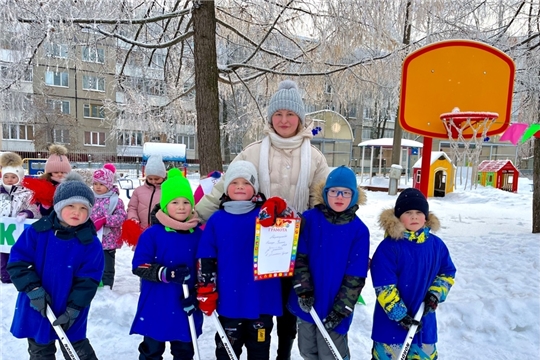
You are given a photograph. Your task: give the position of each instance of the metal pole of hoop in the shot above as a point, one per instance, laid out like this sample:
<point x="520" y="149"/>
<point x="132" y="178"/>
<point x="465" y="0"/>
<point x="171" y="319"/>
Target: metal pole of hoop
<point x="463" y="129"/>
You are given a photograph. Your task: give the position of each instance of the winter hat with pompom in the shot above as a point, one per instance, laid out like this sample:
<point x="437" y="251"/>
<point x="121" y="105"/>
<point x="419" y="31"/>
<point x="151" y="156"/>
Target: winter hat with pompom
<point x="12" y="164"/>
<point x="155" y="166"/>
<point x="57" y="161"/>
<point x="287" y="97"/>
<point x="73" y="190"/>
<point x="242" y="169"/>
<point x="105" y="176"/>
<point x="174" y="187"/>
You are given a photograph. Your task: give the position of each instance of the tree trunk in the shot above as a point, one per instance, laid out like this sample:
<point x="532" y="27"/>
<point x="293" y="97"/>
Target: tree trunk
<point x="206" y="86"/>
<point x="536" y="187"/>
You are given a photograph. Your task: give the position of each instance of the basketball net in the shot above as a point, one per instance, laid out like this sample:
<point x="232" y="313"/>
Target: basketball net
<point x="463" y="154"/>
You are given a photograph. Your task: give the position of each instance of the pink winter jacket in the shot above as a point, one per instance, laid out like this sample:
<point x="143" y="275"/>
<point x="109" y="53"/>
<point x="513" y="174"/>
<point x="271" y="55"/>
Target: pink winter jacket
<point x="143" y="200"/>
<point x="113" y="222"/>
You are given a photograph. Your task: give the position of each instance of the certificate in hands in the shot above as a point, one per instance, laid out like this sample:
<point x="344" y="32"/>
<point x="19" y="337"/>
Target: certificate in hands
<point x="275" y="249"/>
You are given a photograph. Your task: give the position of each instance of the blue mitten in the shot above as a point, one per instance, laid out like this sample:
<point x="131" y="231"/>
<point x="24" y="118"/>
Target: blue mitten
<point x="179" y="275"/>
<point x="190" y="304"/>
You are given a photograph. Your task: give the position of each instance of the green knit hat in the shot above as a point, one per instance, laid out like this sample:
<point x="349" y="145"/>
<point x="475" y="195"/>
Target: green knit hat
<point x="174" y="187"/>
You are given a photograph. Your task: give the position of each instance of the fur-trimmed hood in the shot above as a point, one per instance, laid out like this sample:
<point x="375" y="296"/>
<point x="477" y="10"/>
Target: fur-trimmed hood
<point x="394" y="228"/>
<point x="318" y="191"/>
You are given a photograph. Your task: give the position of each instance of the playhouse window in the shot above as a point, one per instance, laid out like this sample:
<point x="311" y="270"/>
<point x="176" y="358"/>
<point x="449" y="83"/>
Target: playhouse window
<point x="418" y="176"/>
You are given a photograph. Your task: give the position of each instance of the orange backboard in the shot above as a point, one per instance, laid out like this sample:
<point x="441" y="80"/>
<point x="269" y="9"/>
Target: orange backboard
<point x="469" y="75"/>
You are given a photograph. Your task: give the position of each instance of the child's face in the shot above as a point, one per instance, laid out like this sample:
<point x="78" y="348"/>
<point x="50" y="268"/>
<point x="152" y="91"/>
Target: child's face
<point x="58" y="176"/>
<point x="10" y="179"/>
<point x="179" y="209"/>
<point x="99" y="188"/>
<point x="74" y="214"/>
<point x="339" y="198"/>
<point x="240" y="190"/>
<point x="413" y="220"/>
<point x="154" y="179"/>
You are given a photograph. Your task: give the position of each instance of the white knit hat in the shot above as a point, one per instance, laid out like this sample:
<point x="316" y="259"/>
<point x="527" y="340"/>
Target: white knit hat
<point x="242" y="169"/>
<point x="12" y="164"/>
<point x="155" y="166"/>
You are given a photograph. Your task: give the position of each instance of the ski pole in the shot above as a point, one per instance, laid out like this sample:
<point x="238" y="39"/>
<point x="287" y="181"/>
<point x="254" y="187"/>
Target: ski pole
<point x="62" y="335"/>
<point x="224" y="339"/>
<point x="410" y="334"/>
<point x="192" y="325"/>
<point x="325" y="334"/>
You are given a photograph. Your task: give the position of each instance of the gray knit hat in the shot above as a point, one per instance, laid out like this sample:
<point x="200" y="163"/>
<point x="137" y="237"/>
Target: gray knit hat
<point x="242" y="169"/>
<point x="73" y="190"/>
<point x="155" y="166"/>
<point x="287" y="97"/>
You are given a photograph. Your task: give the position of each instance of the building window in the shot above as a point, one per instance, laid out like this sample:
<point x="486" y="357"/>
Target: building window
<point x="93" y="83"/>
<point x="94" y="138"/>
<point x="57" y="78"/>
<point x="188" y="140"/>
<point x="95" y="55"/>
<point x="59" y="105"/>
<point x="18" y="132"/>
<point x="61" y="136"/>
<point x="130" y="138"/>
<point x="8" y="74"/>
<point x="93" y="111"/>
<point x="56" y="50"/>
<point x="158" y="61"/>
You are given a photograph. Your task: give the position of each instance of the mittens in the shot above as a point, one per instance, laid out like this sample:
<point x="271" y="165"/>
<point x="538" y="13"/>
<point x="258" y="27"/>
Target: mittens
<point x="99" y="223"/>
<point x="306" y="301"/>
<point x="39" y="300"/>
<point x="270" y="210"/>
<point x="178" y="275"/>
<point x="189" y="304"/>
<point x="332" y="320"/>
<point x="67" y="319"/>
<point x="431" y="302"/>
<point x="207" y="297"/>
<point x="409" y="321"/>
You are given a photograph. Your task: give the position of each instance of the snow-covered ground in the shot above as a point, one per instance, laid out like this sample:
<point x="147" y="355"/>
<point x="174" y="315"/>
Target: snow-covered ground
<point x="491" y="312"/>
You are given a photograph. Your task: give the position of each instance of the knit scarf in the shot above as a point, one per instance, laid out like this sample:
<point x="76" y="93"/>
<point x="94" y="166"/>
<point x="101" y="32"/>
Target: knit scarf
<point x="302" y="140"/>
<point x="417" y="236"/>
<point x="338" y="218"/>
<point x="175" y="225"/>
<point x="113" y="199"/>
<point x="237" y="207"/>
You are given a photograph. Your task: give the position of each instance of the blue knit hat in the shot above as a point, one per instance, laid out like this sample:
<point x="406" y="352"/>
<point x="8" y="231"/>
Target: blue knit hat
<point x="411" y="199"/>
<point x="287" y="97"/>
<point x="73" y="190"/>
<point x="342" y="177"/>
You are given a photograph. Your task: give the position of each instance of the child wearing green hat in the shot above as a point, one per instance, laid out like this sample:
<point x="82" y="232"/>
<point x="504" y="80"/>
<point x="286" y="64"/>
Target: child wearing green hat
<point x="165" y="260"/>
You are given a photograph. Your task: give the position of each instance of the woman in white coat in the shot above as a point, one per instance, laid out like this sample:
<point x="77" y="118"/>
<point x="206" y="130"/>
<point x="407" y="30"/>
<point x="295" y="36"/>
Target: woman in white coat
<point x="288" y="167"/>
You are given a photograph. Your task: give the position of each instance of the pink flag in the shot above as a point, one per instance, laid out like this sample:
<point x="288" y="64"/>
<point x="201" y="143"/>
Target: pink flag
<point x="514" y="133"/>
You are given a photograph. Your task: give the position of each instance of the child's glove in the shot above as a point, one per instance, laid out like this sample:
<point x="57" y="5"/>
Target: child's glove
<point x="99" y="223"/>
<point x="207" y="297"/>
<point x="431" y="302"/>
<point x="21" y="217"/>
<point x="39" y="300"/>
<point x="270" y="210"/>
<point x="332" y="320"/>
<point x="178" y="275"/>
<point x="67" y="319"/>
<point x="306" y="301"/>
<point x="189" y="304"/>
<point x="409" y="321"/>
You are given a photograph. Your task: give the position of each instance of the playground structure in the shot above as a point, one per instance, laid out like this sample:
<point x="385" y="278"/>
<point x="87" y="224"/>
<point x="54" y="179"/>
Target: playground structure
<point x="500" y="174"/>
<point x="441" y="174"/>
<point x="440" y="79"/>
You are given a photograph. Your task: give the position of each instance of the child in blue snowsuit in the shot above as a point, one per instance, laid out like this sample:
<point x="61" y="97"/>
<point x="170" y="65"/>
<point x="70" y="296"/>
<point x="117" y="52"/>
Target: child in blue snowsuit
<point x="57" y="262"/>
<point x="165" y="260"/>
<point x="331" y="266"/>
<point x="225" y="253"/>
<point x="410" y="266"/>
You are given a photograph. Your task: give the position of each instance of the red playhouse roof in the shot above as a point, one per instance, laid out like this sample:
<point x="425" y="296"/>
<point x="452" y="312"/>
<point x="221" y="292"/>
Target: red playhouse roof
<point x="493" y="165"/>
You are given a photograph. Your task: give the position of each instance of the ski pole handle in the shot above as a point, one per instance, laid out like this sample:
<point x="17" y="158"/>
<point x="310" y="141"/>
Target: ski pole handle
<point x="192" y="329"/>
<point x="223" y="337"/>
<point x="325" y="334"/>
<point x="410" y="334"/>
<point x="62" y="335"/>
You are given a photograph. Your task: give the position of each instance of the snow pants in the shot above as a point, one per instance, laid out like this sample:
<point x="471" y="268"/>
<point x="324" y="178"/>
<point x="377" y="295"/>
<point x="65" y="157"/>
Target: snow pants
<point x="312" y="345"/>
<point x="286" y="324"/>
<point x="254" y="334"/>
<point x="4" y="275"/>
<point x="381" y="351"/>
<point x="48" y="351"/>
<point x="151" y="349"/>
<point x="108" y="272"/>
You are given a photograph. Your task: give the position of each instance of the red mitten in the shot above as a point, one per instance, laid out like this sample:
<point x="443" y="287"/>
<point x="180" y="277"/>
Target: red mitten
<point x="131" y="230"/>
<point x="98" y="223"/>
<point x="207" y="297"/>
<point x="270" y="210"/>
<point x="43" y="191"/>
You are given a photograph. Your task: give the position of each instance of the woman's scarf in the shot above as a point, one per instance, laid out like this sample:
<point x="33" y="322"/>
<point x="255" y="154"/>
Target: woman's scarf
<point x="112" y="195"/>
<point x="175" y="225"/>
<point x="303" y="140"/>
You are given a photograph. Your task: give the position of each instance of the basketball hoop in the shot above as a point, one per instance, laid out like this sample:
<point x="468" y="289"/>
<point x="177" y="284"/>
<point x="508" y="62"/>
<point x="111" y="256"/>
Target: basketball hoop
<point x="466" y="128"/>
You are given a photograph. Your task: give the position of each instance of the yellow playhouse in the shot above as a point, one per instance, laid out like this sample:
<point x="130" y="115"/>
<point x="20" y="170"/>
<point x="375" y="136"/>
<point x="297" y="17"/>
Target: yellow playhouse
<point x="440" y="177"/>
